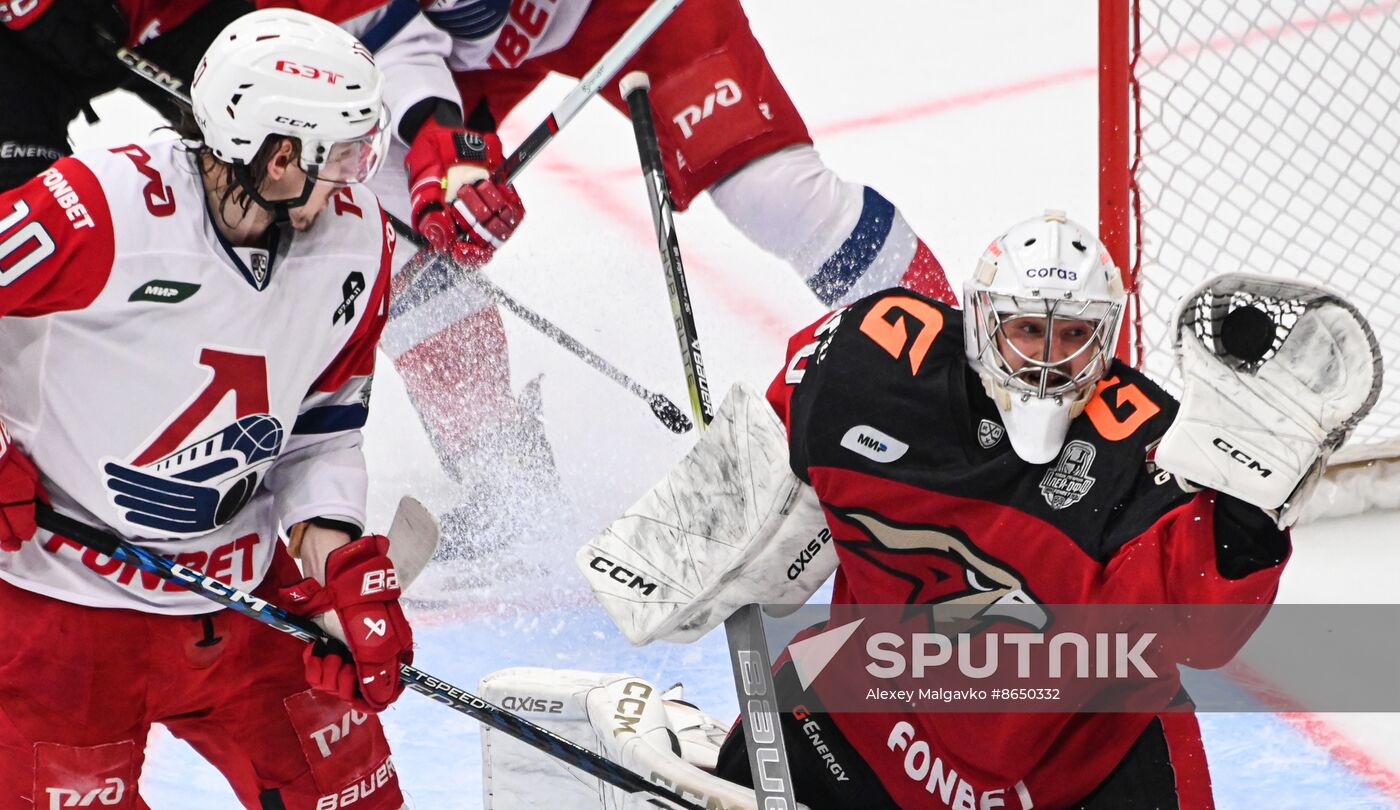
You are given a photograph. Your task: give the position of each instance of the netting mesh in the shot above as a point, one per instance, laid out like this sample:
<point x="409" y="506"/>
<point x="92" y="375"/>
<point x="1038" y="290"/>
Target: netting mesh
<point x="1270" y="143"/>
<point x="1208" y="315"/>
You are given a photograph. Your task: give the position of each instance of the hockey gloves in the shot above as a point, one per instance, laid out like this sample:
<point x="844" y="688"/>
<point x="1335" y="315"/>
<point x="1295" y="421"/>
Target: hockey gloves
<point x="19" y="491"/>
<point x="456" y="206"/>
<point x="362" y="588"/>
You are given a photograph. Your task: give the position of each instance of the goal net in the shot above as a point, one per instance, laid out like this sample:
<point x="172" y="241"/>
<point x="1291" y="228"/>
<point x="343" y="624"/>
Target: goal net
<point x="1259" y="136"/>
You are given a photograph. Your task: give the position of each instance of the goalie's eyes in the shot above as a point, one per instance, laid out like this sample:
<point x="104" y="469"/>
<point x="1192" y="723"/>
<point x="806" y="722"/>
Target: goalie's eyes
<point x="1028" y="333"/>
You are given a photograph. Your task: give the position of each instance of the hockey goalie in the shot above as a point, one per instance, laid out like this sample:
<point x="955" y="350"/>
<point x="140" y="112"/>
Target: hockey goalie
<point x="1009" y="426"/>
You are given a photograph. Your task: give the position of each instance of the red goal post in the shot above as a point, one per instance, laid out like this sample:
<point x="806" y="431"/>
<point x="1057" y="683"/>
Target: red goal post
<point x="1259" y="136"/>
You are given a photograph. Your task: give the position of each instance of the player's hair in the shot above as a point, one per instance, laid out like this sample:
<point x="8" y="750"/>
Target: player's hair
<point x="193" y="142"/>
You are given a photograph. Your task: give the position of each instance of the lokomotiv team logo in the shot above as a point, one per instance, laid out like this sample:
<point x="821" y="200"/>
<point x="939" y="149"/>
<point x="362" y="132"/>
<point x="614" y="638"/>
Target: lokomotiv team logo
<point x="939" y="565"/>
<point x="206" y="463"/>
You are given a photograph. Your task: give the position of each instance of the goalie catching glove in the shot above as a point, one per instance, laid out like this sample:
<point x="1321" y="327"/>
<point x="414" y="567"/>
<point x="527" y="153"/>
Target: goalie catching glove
<point x="1277" y="373"/>
<point x="730" y="525"/>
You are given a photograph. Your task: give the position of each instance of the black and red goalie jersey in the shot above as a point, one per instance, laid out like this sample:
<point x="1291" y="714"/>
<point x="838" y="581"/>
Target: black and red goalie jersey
<point x="893" y="429"/>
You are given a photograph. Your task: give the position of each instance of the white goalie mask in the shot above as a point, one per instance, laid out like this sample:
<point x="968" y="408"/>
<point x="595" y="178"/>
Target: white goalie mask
<point x="286" y="72"/>
<point x="1042" y="314"/>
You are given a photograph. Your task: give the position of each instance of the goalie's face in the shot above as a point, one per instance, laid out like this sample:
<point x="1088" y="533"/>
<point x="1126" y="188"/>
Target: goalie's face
<point x="1061" y="348"/>
<point x="1046" y="349"/>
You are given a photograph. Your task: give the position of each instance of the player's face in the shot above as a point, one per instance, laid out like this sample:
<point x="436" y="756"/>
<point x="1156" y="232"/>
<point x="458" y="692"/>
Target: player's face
<point x="1066" y="343"/>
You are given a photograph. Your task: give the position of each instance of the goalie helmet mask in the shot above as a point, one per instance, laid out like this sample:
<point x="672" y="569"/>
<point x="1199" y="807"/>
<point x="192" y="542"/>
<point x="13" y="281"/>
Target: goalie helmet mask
<point x="280" y="72"/>
<point x="1042" y="316"/>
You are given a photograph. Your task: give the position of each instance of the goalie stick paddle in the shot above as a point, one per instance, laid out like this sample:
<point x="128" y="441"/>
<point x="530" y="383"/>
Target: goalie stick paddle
<point x="748" y="644"/>
<point x="439" y="690"/>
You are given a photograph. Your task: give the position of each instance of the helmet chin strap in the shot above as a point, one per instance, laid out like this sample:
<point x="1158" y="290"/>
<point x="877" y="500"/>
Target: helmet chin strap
<point x="281" y="209"/>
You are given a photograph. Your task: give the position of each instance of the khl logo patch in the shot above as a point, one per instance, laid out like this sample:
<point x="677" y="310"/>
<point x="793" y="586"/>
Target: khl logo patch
<point x="1069" y="480"/>
<point x="258" y="264"/>
<point x="989" y="433"/>
<point x="875" y="445"/>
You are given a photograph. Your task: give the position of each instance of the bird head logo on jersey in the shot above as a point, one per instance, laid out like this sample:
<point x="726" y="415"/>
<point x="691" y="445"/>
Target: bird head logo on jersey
<point x="206" y="463"/>
<point x="938" y="565"/>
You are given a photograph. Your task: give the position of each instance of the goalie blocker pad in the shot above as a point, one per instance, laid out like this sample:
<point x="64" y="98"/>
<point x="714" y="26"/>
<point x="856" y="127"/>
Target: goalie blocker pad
<point x="621" y="717"/>
<point x="729" y="525"/>
<point x="1277" y="373"/>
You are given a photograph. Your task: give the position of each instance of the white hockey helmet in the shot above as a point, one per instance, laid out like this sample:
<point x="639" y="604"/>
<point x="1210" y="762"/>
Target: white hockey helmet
<point x="1032" y="279"/>
<point x="285" y="72"/>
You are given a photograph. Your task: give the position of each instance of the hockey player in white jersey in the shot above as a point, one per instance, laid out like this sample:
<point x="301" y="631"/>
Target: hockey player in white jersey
<point x="189" y="331"/>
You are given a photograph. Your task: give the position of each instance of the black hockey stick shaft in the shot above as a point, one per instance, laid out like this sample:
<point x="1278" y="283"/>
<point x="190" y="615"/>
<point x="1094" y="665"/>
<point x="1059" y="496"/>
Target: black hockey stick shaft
<point x="439" y="690"/>
<point x="748" y="644"/>
<point x="666" y="411"/>
<point x="658" y="192"/>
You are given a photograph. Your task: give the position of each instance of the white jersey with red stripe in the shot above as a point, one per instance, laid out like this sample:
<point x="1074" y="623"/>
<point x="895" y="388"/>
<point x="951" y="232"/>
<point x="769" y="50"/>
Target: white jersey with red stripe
<point x="175" y="390"/>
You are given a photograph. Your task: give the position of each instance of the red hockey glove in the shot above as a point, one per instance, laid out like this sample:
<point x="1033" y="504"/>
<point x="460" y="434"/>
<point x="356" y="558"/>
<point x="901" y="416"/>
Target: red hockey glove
<point x="19" y="491"/>
<point x="455" y="204"/>
<point x="362" y="588"/>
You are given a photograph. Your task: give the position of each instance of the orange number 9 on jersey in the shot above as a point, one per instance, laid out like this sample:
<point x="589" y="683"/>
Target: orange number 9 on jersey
<point x="893" y="335"/>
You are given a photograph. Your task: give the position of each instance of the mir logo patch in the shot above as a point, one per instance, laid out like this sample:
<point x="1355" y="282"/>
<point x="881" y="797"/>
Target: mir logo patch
<point x="875" y="445"/>
<point x="163" y="292"/>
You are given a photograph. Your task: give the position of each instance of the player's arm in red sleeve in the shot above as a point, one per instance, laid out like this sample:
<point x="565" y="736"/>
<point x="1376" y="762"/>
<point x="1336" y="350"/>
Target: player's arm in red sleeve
<point x="1200" y="548"/>
<point x="56" y="242"/>
<point x="1211" y="549"/>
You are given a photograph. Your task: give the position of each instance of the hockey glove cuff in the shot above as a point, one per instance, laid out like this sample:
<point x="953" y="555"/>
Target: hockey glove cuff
<point x="20" y="490"/>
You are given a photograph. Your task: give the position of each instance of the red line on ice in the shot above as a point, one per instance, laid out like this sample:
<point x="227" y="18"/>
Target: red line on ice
<point x="1320" y="732"/>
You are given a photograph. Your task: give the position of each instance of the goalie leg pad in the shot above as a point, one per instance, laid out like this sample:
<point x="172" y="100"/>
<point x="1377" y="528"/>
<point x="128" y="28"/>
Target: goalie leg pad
<point x="621" y="717"/>
<point x="729" y="525"/>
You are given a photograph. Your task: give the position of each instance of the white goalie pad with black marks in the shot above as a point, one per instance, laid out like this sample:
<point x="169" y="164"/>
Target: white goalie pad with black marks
<point x="624" y="718"/>
<point x="728" y="526"/>
<point x="1277" y="373"/>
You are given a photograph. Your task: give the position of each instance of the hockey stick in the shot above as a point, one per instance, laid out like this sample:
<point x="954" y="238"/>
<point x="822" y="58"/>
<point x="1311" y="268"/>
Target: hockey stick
<point x="748" y="644"/>
<point x="589" y="84"/>
<point x="665" y="410"/>
<point x="439" y="690"/>
<point x="612" y="61"/>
